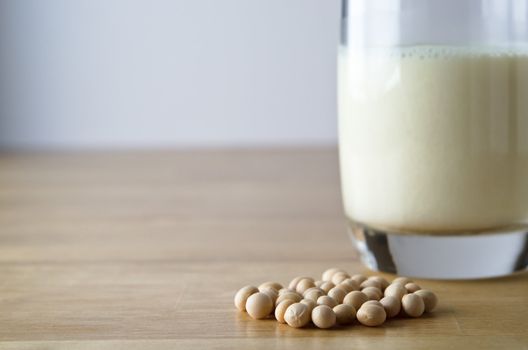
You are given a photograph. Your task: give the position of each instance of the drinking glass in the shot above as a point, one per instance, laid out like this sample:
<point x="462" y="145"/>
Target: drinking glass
<point x="433" y="135"/>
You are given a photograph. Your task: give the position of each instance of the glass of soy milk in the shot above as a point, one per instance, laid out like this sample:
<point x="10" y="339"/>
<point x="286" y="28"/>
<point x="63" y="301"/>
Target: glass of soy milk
<point x="433" y="135"/>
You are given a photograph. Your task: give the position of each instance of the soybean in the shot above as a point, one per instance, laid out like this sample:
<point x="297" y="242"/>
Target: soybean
<point x="313" y="293"/>
<point x="297" y="315"/>
<point x="260" y="305"/>
<point x="391" y="305"/>
<point x="345" y="314"/>
<point x="242" y="295"/>
<point x="359" y="278"/>
<point x="285" y="290"/>
<point x="371" y="315"/>
<point x="373" y="302"/>
<point x="326" y="300"/>
<point x="296" y="280"/>
<point x="373" y="293"/>
<point x="337" y="294"/>
<point x="323" y="316"/>
<point x="402" y="280"/>
<point x="272" y="293"/>
<point x="355" y="299"/>
<point x="429" y="298"/>
<point x="288" y="295"/>
<point x="336" y="298"/>
<point x="275" y="285"/>
<point x="395" y="290"/>
<point x="304" y="284"/>
<point x="370" y="283"/>
<point x="413" y="305"/>
<point x="382" y="281"/>
<point x="280" y="310"/>
<point x="339" y="277"/>
<point x="310" y="303"/>
<point x="412" y="287"/>
<point x="350" y="284"/>
<point x="328" y="274"/>
<point x="326" y="286"/>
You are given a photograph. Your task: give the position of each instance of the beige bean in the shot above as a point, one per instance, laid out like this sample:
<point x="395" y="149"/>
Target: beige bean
<point x="296" y="280"/>
<point x="271" y="292"/>
<point x="327" y="286"/>
<point x="402" y="280"/>
<point x="373" y="293"/>
<point x="412" y="287"/>
<point x="382" y="281"/>
<point x="371" y="315"/>
<point x="429" y="298"/>
<point x="304" y="285"/>
<point x="286" y="290"/>
<point x="280" y="310"/>
<point x="370" y="283"/>
<point x="326" y="300"/>
<point x="289" y="295"/>
<point x="359" y="278"/>
<point x="260" y="305"/>
<point x="350" y="284"/>
<point x="395" y="290"/>
<point x="328" y="274"/>
<point x="355" y="299"/>
<point x="336" y="298"/>
<point x="323" y="316"/>
<point x="339" y="277"/>
<point x="345" y="287"/>
<point x="337" y="294"/>
<point x="293" y="282"/>
<point x="345" y="314"/>
<point x="242" y="295"/>
<point x="275" y="285"/>
<point x="297" y="315"/>
<point x="391" y="305"/>
<point x="373" y="302"/>
<point x="310" y="303"/>
<point x="413" y="305"/>
<point x="313" y="293"/>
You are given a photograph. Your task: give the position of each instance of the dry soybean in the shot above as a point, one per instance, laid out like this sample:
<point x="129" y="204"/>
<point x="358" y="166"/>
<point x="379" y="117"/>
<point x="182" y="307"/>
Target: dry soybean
<point x="335" y="299"/>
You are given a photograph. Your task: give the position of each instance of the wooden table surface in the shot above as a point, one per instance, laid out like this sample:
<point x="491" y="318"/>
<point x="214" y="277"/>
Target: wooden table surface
<point x="144" y="250"/>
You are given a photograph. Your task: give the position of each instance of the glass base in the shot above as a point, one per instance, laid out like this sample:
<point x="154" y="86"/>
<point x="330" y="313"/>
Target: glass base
<point x="460" y="256"/>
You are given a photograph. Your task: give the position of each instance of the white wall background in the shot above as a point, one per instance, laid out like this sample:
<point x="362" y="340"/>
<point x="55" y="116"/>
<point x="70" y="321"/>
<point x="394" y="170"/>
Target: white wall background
<point x="164" y="73"/>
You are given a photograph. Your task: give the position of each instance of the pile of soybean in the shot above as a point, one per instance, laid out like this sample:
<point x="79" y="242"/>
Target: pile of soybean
<point x="337" y="298"/>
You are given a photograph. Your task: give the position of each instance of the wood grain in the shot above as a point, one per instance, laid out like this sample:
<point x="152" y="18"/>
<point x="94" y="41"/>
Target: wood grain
<point x="144" y="250"/>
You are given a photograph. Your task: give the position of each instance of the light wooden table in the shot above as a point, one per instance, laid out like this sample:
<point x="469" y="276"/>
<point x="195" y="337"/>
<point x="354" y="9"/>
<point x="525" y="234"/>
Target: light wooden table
<point x="145" y="250"/>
